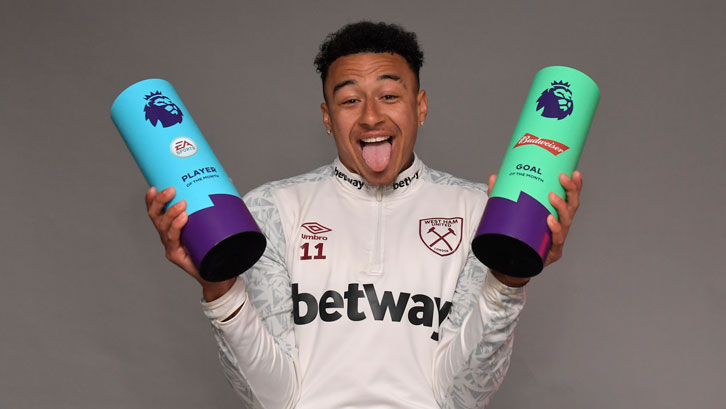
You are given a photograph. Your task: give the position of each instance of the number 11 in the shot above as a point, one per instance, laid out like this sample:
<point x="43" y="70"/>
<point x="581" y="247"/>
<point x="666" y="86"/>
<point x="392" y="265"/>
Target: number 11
<point x="306" y="252"/>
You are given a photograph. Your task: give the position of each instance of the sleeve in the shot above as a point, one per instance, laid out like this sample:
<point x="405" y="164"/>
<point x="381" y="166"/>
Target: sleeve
<point x="476" y="338"/>
<point x="257" y="346"/>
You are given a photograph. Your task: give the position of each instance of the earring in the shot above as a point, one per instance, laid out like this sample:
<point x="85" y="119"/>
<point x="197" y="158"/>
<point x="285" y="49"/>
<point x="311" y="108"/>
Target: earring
<point x="328" y="131"/>
<point x="421" y="123"/>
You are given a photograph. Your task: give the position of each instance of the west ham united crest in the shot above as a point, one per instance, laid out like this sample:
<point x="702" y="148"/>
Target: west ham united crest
<point x="441" y="235"/>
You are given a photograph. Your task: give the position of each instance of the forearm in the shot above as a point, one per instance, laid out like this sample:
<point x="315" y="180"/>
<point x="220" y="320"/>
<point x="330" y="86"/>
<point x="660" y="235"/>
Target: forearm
<point x="509" y="281"/>
<point x="213" y="290"/>
<point x="262" y="372"/>
<point x="473" y="358"/>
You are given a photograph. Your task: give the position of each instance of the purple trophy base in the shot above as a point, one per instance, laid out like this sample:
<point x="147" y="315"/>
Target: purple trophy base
<point x="513" y="237"/>
<point x="223" y="240"/>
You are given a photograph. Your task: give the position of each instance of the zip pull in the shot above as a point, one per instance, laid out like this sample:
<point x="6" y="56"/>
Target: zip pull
<point x="379" y="194"/>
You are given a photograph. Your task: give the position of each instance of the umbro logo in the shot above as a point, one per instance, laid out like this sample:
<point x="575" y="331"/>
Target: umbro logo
<point x="315" y="228"/>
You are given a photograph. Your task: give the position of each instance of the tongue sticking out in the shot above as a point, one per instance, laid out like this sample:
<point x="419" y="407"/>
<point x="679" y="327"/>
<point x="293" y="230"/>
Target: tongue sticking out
<point x="377" y="155"/>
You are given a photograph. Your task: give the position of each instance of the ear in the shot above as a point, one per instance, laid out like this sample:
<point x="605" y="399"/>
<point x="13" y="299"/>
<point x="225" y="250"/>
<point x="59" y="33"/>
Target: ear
<point x="326" y="116"/>
<point x="422" y="103"/>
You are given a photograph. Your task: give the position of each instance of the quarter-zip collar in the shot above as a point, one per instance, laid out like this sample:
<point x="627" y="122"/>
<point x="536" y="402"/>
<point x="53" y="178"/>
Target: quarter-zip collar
<point x="406" y="181"/>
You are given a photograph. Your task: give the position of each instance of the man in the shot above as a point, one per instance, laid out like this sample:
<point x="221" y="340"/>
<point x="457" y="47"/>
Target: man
<point x="352" y="305"/>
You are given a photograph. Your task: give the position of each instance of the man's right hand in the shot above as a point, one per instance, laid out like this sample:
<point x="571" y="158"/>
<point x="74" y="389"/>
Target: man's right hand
<point x="169" y="225"/>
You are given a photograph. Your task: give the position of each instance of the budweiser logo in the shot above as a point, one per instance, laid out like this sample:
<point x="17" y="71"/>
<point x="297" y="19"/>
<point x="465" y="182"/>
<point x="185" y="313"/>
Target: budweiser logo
<point x="553" y="147"/>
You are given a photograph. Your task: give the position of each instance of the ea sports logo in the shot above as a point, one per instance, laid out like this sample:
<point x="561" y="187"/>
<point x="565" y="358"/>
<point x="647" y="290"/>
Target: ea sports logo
<point x="183" y="147"/>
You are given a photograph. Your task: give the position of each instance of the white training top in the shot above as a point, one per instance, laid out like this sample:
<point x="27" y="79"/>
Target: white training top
<point x="367" y="297"/>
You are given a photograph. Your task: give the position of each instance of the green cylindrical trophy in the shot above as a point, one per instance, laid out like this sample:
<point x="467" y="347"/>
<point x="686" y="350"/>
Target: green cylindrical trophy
<point x="513" y="237"/>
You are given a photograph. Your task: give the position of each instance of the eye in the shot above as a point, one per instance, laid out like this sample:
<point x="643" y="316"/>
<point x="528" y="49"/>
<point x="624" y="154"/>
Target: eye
<point x="389" y="97"/>
<point x="349" y="101"/>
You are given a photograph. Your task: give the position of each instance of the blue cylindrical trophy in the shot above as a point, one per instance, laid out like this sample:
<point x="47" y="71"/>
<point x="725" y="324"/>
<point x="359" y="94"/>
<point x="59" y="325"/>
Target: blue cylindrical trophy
<point x="221" y="235"/>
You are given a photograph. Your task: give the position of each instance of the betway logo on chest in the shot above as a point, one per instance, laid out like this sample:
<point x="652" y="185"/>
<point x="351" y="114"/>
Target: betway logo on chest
<point x="419" y="309"/>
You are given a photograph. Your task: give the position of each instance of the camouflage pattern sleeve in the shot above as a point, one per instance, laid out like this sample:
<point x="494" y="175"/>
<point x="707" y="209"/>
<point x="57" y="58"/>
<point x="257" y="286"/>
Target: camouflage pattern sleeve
<point x="476" y="343"/>
<point x="257" y="347"/>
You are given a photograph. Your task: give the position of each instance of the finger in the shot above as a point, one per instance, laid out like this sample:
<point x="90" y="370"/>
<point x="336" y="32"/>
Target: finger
<point x="557" y="231"/>
<point x="177" y="255"/>
<point x="572" y="193"/>
<point x="174" y="234"/>
<point x="577" y="178"/>
<point x="562" y="209"/>
<point x="180" y="257"/>
<point x="157" y="204"/>
<point x="150" y="194"/>
<point x="558" y="240"/>
<point x="168" y="218"/>
<point x="492" y="179"/>
<point x="175" y="251"/>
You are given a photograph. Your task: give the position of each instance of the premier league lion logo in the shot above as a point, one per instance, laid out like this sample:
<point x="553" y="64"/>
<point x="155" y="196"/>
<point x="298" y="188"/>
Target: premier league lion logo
<point x="160" y="108"/>
<point x="556" y="101"/>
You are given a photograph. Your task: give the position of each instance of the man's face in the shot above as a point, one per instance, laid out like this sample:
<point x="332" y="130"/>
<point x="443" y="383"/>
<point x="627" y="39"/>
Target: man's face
<point x="373" y="109"/>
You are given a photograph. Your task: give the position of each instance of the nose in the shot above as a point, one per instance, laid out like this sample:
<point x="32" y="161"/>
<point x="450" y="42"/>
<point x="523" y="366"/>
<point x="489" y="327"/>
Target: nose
<point x="371" y="114"/>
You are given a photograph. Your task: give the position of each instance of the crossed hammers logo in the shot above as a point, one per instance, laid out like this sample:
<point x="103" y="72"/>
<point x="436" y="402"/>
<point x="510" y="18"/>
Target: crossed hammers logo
<point x="441" y="238"/>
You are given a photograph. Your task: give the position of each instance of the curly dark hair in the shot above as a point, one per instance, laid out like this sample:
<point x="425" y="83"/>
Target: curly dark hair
<point x="366" y="36"/>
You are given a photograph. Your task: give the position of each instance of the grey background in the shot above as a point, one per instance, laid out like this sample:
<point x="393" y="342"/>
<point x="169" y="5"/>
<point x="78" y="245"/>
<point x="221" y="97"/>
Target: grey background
<point x="92" y="316"/>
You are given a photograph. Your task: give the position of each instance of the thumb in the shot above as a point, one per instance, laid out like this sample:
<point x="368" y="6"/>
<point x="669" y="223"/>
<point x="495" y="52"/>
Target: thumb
<point x="492" y="179"/>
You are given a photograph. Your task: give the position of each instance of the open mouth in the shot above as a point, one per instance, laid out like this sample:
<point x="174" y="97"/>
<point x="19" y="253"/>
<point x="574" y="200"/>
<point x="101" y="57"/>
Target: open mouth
<point x="377" y="139"/>
<point x="377" y="151"/>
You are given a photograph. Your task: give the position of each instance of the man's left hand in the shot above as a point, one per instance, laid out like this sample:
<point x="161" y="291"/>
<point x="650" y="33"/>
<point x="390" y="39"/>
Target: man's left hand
<point x="566" y="210"/>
